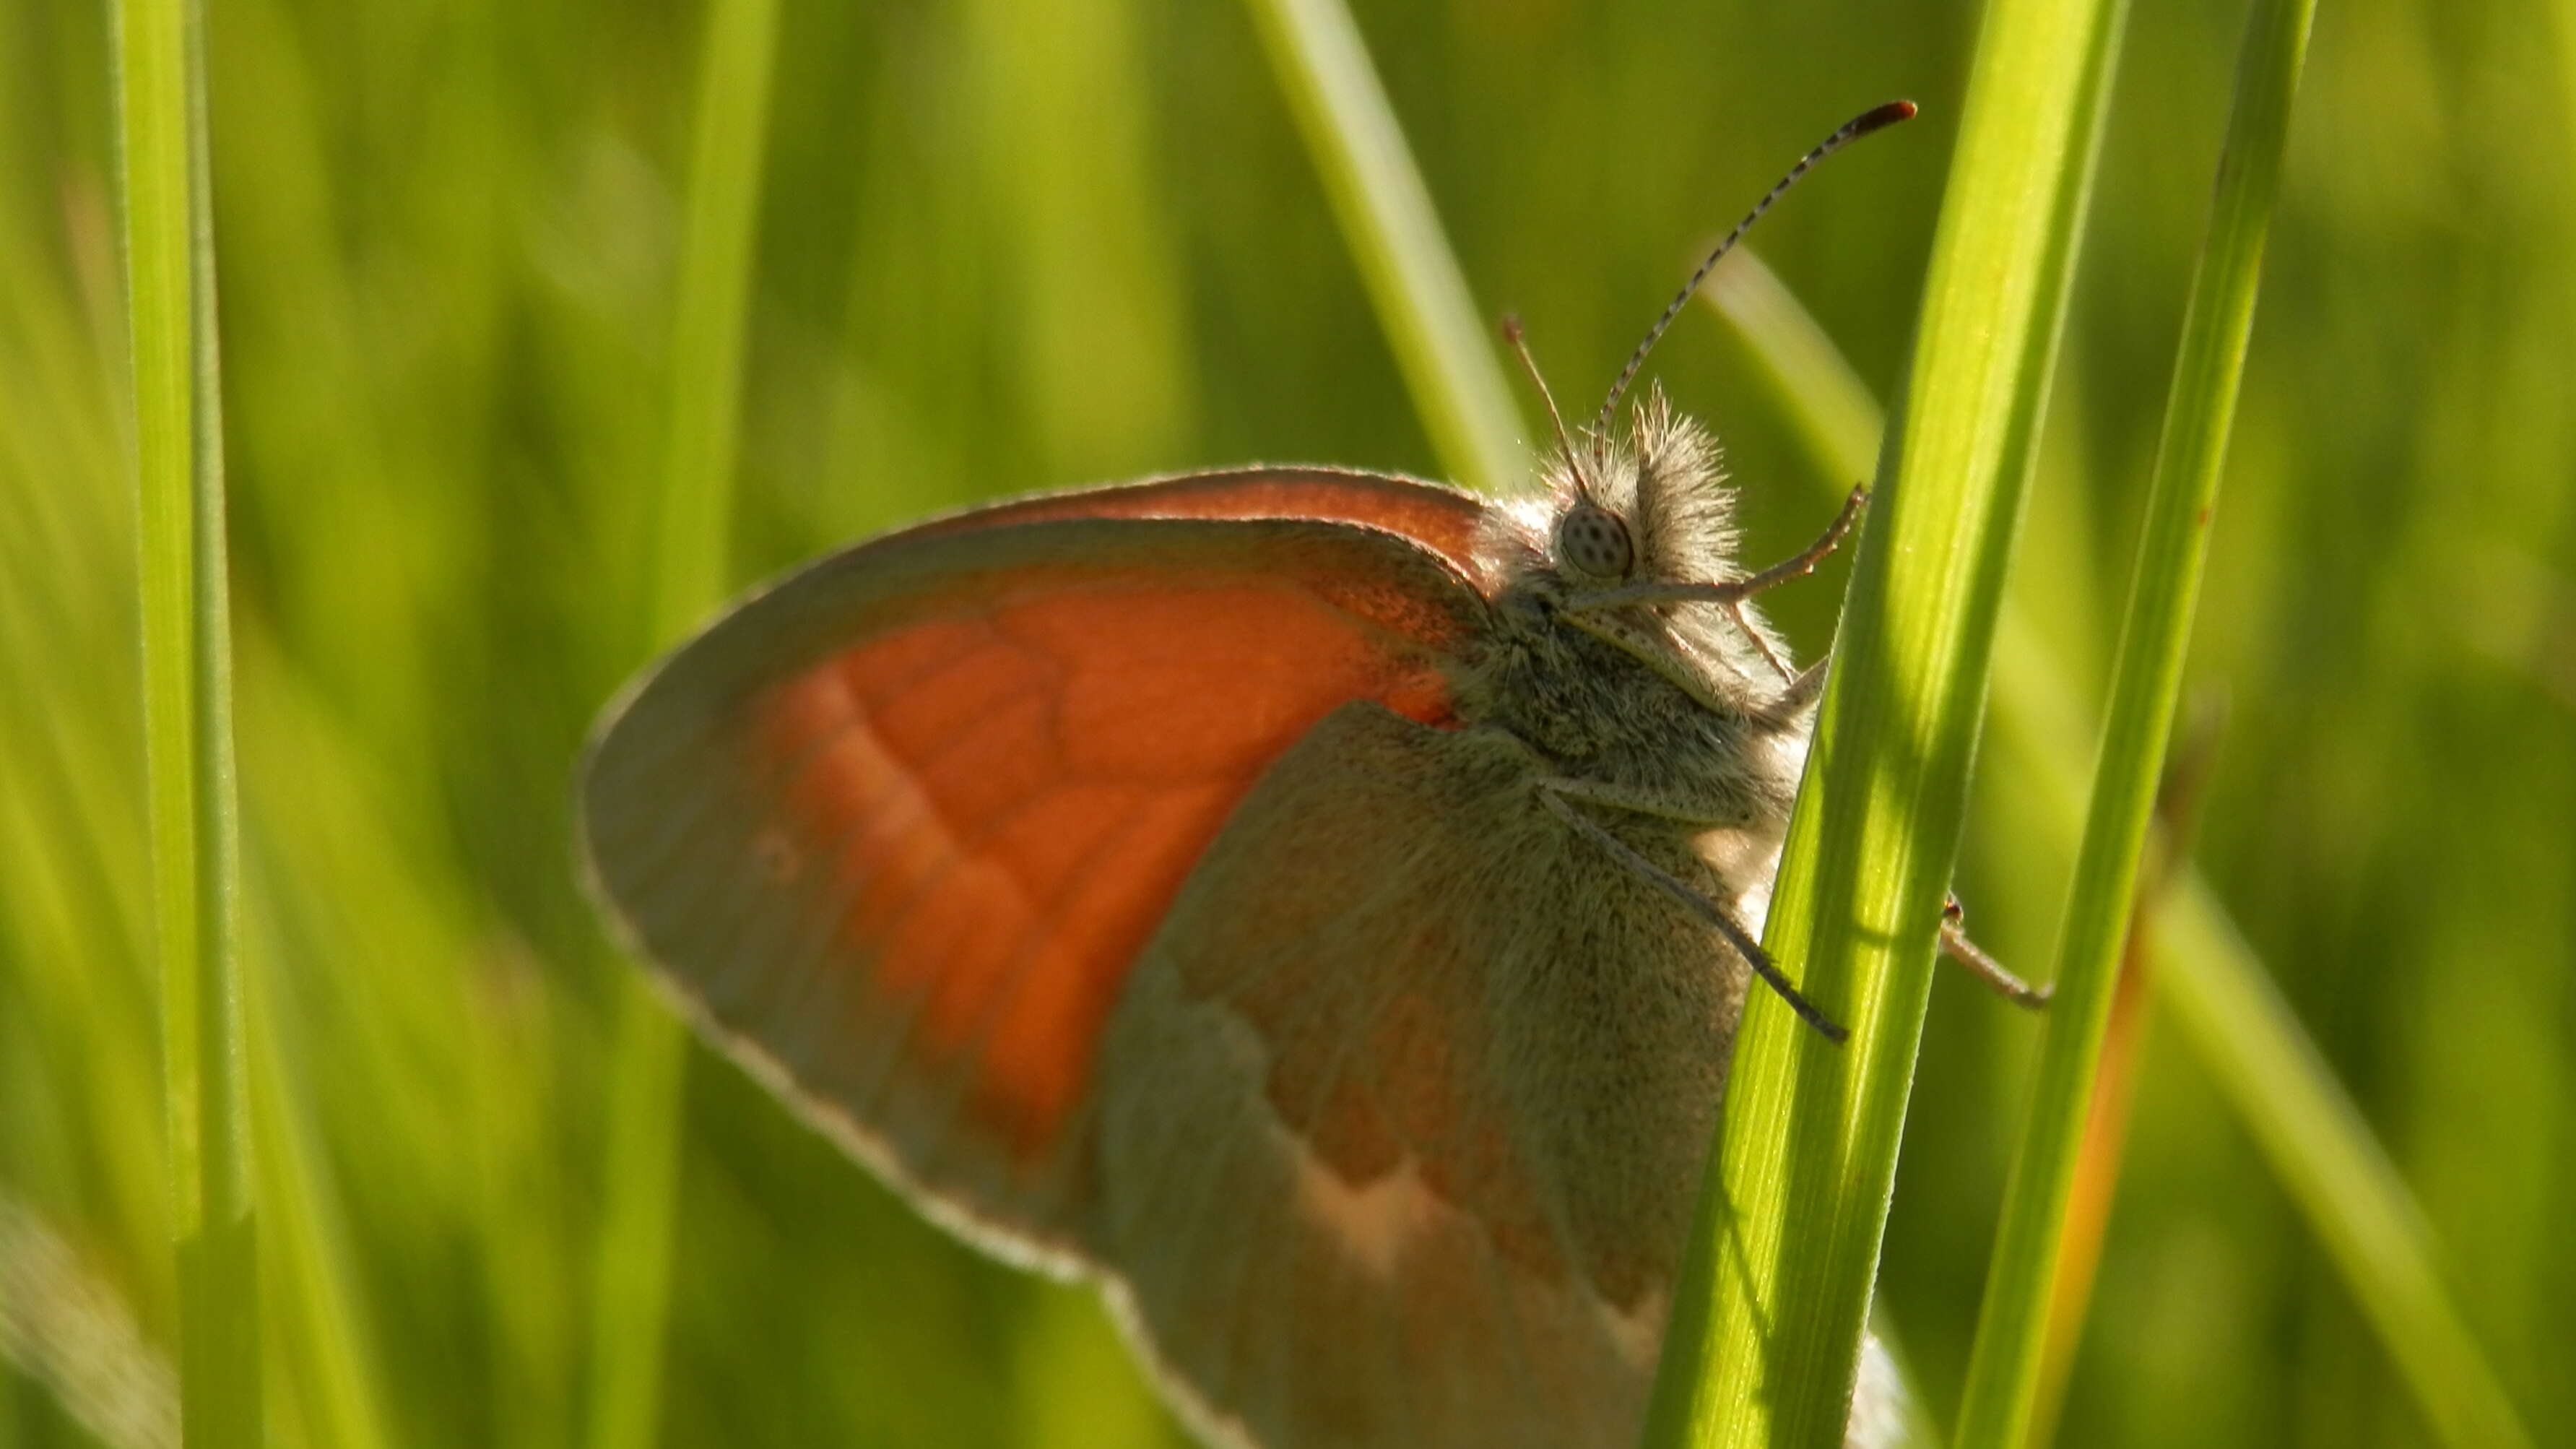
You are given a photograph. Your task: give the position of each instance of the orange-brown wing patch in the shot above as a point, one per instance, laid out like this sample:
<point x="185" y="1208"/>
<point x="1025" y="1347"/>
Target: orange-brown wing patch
<point x="1019" y="796"/>
<point x="902" y="826"/>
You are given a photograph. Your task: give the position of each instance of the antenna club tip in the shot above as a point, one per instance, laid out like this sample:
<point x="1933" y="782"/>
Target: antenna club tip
<point x="1512" y="328"/>
<point x="1886" y="115"/>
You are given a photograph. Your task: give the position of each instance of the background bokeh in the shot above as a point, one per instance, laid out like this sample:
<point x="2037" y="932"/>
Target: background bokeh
<point x="1005" y="246"/>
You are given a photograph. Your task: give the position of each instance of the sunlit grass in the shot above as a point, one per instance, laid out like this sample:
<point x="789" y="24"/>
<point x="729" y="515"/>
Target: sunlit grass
<point x="693" y="533"/>
<point x="2319" y="1146"/>
<point x="1386" y="215"/>
<point x="994" y="254"/>
<point x="2146" y="687"/>
<point x="1767" y="1320"/>
<point x="188" y="716"/>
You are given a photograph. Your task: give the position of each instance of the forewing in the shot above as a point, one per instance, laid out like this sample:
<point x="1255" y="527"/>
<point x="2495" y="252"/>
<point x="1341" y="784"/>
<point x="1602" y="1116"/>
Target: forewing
<point x="898" y="828"/>
<point x="1442" y="519"/>
<point x="1406" y="1104"/>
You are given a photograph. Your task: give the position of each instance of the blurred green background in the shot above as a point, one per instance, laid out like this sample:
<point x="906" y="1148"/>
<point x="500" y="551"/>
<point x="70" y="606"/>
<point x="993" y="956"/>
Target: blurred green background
<point x="1005" y="246"/>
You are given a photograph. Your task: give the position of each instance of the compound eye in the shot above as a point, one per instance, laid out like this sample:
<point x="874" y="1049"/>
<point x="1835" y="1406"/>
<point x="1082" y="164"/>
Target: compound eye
<point x="1591" y="540"/>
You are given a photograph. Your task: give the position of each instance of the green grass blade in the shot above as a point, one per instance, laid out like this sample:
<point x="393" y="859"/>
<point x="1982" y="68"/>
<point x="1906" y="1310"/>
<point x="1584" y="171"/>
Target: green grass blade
<point x="632" y="1283"/>
<point x="710" y="328"/>
<point x="2218" y="992"/>
<point x="1385" y="211"/>
<point x="2334" y="1168"/>
<point x="328" y="1337"/>
<point x="693" y="532"/>
<point x="187" y="653"/>
<point x="1831" y="410"/>
<point x="2003" y="1367"/>
<point x="1767" y="1320"/>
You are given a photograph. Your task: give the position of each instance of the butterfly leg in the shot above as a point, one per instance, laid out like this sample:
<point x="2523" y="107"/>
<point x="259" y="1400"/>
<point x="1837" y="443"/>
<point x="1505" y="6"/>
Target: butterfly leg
<point x="1771" y="656"/>
<point x="1697" y="904"/>
<point x="1956" y="945"/>
<point x="1795" y="567"/>
<point x="1561" y="795"/>
<point x="1804" y="688"/>
<point x="1803" y="563"/>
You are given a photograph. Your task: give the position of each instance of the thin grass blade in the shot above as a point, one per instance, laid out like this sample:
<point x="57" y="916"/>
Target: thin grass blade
<point x="187" y="658"/>
<point x="2216" y="990"/>
<point x="694" y="529"/>
<point x="1766" y="1327"/>
<point x="2003" y="1368"/>
<point x="330" y="1337"/>
<point x="1386" y="216"/>
<point x="2336" y="1171"/>
<point x="1837" y="421"/>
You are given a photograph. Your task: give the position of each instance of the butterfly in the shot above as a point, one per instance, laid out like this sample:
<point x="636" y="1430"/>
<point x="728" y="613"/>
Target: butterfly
<point x="1314" y="904"/>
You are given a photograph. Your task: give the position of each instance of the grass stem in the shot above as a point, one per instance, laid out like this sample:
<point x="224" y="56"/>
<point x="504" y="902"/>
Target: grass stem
<point x="187" y="688"/>
<point x="1767" y="1319"/>
<point x="2214" y="988"/>
<point x="648" y="1072"/>
<point x="2003" y="1367"/>
<point x="1443" y="350"/>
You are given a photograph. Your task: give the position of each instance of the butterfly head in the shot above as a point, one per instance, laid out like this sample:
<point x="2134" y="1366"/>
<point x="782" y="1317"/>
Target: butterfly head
<point x="1621" y="522"/>
<point x="1649" y="505"/>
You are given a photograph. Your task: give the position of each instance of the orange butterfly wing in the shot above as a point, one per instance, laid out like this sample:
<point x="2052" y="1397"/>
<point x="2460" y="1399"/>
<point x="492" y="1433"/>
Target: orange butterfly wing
<point x="899" y="827"/>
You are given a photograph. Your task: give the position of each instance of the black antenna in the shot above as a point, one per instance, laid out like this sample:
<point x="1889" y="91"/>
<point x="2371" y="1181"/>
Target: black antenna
<point x="1520" y="347"/>
<point x="1859" y="126"/>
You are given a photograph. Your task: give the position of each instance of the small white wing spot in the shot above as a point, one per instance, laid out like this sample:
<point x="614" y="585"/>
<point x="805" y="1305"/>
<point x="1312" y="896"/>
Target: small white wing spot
<point x="1638" y="1334"/>
<point x="1373" y="1223"/>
